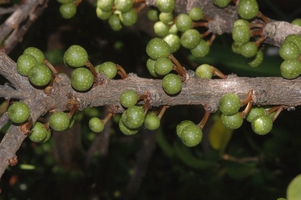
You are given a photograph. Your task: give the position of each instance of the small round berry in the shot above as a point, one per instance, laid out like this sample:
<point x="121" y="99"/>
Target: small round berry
<point x="296" y="22"/>
<point x="182" y="125"/>
<point x="289" y="51"/>
<point x="262" y="125"/>
<point x="183" y="22"/>
<point x="165" y="5"/>
<point x="133" y="117"/>
<point x="255" y="112"/>
<point x="123" y="5"/>
<point x="248" y="9"/>
<point x="150" y="64"/>
<point x="105" y="5"/>
<point x="18" y="112"/>
<point x="172" y="84"/>
<point x="161" y="29"/>
<point x="201" y="50"/>
<point x="241" y="34"/>
<point x="232" y="121"/>
<point x="229" y="104"/>
<point x="190" y="38"/>
<point x="115" y="23"/>
<point x="153" y="14"/>
<point x="204" y="71"/>
<point x="68" y="10"/>
<point x="163" y="66"/>
<point x="128" y="98"/>
<point x="82" y="79"/>
<point x="35" y="52"/>
<point x="39" y="75"/>
<point x="76" y="56"/>
<point x="96" y="124"/>
<point x="221" y="3"/>
<point x="257" y="60"/>
<point x="108" y="68"/>
<point x="290" y="69"/>
<point x="173" y="41"/>
<point x="191" y="135"/>
<point x="125" y="130"/>
<point x="129" y="18"/>
<point x="151" y="122"/>
<point x="24" y="63"/>
<point x="157" y="48"/>
<point x="196" y="13"/>
<point x="38" y="132"/>
<point x="59" y="121"/>
<point x="103" y="15"/>
<point x="248" y="50"/>
<point x="166" y="17"/>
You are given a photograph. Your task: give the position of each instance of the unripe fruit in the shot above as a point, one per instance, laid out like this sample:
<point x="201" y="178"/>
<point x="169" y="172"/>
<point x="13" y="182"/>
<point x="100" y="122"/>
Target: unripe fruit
<point x="24" y="63"/>
<point x="68" y="10"/>
<point x="204" y="71"/>
<point x="76" y="56"/>
<point x="82" y="79"/>
<point x="39" y="75"/>
<point x="247" y="9"/>
<point x="128" y="98"/>
<point x="191" y="135"/>
<point x="108" y="68"/>
<point x="165" y="5"/>
<point x="157" y="48"/>
<point x="182" y="125"/>
<point x="151" y="122"/>
<point x="59" y="121"/>
<point x="125" y="130"/>
<point x="18" y="112"/>
<point x="96" y="124"/>
<point x="38" y="132"/>
<point x="35" y="52"/>
<point x="232" y="121"/>
<point x="133" y="117"/>
<point x="229" y="104"/>
<point x="171" y="84"/>
<point x="262" y="125"/>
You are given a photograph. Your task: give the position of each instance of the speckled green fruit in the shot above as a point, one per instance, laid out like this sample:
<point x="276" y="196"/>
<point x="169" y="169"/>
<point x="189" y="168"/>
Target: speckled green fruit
<point x="221" y="3"/>
<point x="128" y="98"/>
<point x="129" y="18"/>
<point x="232" y="121"/>
<point x="96" y="124"/>
<point x="163" y="66"/>
<point x="133" y="117"/>
<point x="123" y="5"/>
<point x="247" y="9"/>
<point x="289" y="51"/>
<point x="76" y="56"/>
<point x="191" y="135"/>
<point x="38" y="133"/>
<point x="125" y="130"/>
<point x="68" y="10"/>
<point x="196" y="13"/>
<point x="105" y="5"/>
<point x="290" y="69"/>
<point x="190" y="38"/>
<point x="82" y="79"/>
<point x="229" y="104"/>
<point x="59" y="121"/>
<point x="201" y="50"/>
<point x="18" y="112"/>
<point x="182" y="125"/>
<point x="24" y="63"/>
<point x="173" y="41"/>
<point x="255" y="112"/>
<point x="39" y="75"/>
<point x="157" y="48"/>
<point x="262" y="125"/>
<point x="108" y="68"/>
<point x="165" y="5"/>
<point x="35" y="52"/>
<point x="183" y="22"/>
<point x="151" y="122"/>
<point x="172" y="84"/>
<point x="204" y="71"/>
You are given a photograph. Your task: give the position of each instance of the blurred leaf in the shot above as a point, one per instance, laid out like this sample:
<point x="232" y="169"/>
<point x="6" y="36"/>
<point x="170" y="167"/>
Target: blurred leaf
<point x="219" y="136"/>
<point x="238" y="170"/>
<point x="294" y="189"/>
